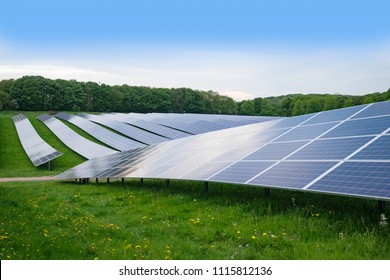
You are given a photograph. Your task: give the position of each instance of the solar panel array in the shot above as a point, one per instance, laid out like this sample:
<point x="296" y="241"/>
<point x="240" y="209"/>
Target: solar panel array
<point x="202" y="123"/>
<point x="73" y="140"/>
<point x="147" y="125"/>
<point x="35" y="147"/>
<point x="342" y="151"/>
<point x="128" y="130"/>
<point x="106" y="136"/>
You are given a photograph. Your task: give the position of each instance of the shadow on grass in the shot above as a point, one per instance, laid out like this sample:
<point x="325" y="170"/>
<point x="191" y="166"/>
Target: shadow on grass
<point x="255" y="200"/>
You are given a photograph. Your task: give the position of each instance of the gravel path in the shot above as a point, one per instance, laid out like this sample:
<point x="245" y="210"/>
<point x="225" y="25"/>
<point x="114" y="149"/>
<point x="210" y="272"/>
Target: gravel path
<point x="24" y="179"/>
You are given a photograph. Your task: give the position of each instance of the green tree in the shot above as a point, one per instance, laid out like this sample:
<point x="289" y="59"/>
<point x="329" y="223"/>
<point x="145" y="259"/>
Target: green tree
<point x="330" y="103"/>
<point x="313" y="105"/>
<point x="299" y="107"/>
<point x="247" y="107"/>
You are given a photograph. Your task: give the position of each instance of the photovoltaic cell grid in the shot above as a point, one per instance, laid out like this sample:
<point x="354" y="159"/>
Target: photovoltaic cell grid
<point x="135" y="133"/>
<point x="147" y="125"/>
<point x="74" y="141"/>
<point x="106" y="136"/>
<point x="344" y="152"/>
<point x="35" y="147"/>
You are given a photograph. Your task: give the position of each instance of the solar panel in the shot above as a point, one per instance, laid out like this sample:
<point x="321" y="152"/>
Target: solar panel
<point x="291" y="174"/>
<point x="128" y="130"/>
<point x="106" y="136"/>
<point x="74" y="141"/>
<point x="240" y="172"/>
<point x="275" y="151"/>
<point x="38" y="151"/>
<point x="328" y="149"/>
<point x="376" y="109"/>
<point x="343" y="152"/>
<point x="335" y="115"/>
<point x="377" y="150"/>
<point x="367" y="179"/>
<point x="147" y="125"/>
<point x="370" y="126"/>
<point x="304" y="132"/>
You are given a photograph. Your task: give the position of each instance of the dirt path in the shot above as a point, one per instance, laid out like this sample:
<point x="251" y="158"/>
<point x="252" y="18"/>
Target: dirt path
<point x="25" y="179"/>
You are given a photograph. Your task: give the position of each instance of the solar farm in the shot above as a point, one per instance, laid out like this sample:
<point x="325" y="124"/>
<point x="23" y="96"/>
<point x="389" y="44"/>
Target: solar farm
<point x="344" y="153"/>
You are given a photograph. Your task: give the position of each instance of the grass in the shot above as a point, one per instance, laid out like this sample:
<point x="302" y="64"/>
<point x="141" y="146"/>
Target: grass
<point x="67" y="220"/>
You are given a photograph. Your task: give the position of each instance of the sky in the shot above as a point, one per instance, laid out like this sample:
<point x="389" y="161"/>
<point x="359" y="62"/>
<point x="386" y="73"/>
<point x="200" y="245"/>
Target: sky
<point x="241" y="48"/>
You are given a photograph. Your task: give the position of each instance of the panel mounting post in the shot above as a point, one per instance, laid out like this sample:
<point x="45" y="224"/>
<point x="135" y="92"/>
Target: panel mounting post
<point x="48" y="165"/>
<point x="142" y="181"/>
<point x="206" y="186"/>
<point x="108" y="180"/>
<point x="97" y="180"/>
<point x="382" y="205"/>
<point x="168" y="183"/>
<point x="267" y="191"/>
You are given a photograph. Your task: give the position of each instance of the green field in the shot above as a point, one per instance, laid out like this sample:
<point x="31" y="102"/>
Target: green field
<point x="68" y="220"/>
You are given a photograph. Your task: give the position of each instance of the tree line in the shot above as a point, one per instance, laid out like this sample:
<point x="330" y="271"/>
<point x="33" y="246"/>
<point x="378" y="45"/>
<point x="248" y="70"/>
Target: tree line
<point x="36" y="93"/>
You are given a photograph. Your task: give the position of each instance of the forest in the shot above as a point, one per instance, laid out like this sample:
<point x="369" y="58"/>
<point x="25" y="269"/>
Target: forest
<point x="36" y="93"/>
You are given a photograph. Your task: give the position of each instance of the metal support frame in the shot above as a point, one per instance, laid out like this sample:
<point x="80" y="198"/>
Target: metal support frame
<point x="49" y="165"/>
<point x="382" y="206"/>
<point x="206" y="186"/>
<point x="142" y="181"/>
<point x="168" y="183"/>
<point x="267" y="191"/>
<point x="108" y="180"/>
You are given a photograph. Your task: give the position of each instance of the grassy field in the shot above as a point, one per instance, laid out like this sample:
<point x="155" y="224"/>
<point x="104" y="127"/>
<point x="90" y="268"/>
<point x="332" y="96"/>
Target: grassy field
<point x="67" y="220"/>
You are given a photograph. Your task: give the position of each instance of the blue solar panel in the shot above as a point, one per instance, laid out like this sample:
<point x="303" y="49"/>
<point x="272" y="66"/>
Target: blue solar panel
<point x="379" y="149"/>
<point x="275" y="151"/>
<point x="335" y="115"/>
<point x="206" y="170"/>
<point x="306" y="132"/>
<point x="376" y="109"/>
<point x="359" y="127"/>
<point x="259" y="154"/>
<point x="293" y="175"/>
<point x="330" y="149"/>
<point x="369" y="179"/>
<point x="291" y="122"/>
<point x="240" y="172"/>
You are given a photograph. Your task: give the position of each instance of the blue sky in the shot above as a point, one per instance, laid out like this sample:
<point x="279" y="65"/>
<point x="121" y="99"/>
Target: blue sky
<point x="241" y="48"/>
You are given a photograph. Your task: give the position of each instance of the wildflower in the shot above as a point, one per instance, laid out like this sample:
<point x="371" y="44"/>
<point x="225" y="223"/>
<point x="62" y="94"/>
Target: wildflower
<point x="264" y="233"/>
<point x="137" y="247"/>
<point x="238" y="234"/>
<point x="383" y="221"/>
<point x="128" y="246"/>
<point x="341" y="235"/>
<point x="253" y="237"/>
<point x="293" y="201"/>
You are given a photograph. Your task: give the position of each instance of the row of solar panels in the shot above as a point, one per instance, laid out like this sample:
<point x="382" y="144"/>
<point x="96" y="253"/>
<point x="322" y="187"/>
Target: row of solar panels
<point x="344" y="151"/>
<point x="130" y="133"/>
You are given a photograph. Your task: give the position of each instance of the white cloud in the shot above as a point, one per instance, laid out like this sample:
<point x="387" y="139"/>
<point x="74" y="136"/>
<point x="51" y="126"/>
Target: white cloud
<point x="238" y="95"/>
<point x="241" y="75"/>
